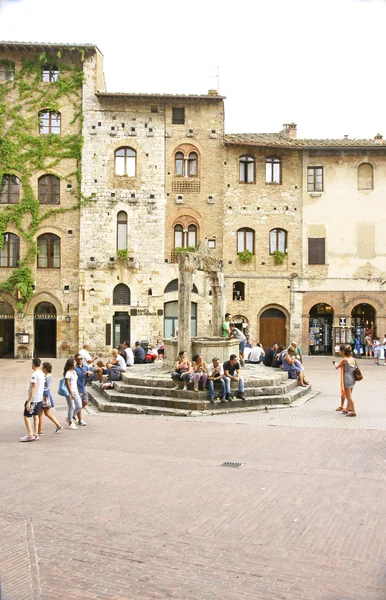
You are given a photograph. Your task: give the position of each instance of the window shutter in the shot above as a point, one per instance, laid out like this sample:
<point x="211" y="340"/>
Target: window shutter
<point x="312" y="251"/>
<point x="316" y="251"/>
<point x="108" y="334"/>
<point x="321" y="252"/>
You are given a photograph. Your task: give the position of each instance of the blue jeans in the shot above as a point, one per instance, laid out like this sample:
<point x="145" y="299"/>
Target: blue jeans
<point x="228" y="385"/>
<point x="211" y="387"/>
<point x="242" y="346"/>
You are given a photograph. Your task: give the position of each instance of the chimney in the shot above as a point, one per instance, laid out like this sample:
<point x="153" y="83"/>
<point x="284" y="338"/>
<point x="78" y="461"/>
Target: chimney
<point x="212" y="93"/>
<point x="378" y="139"/>
<point x="290" y="130"/>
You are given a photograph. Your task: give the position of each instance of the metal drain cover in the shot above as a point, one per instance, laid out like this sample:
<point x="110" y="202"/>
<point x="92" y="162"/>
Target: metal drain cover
<point x="234" y="465"/>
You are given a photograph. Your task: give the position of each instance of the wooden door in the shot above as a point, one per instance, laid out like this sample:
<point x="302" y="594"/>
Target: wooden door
<point x="272" y="329"/>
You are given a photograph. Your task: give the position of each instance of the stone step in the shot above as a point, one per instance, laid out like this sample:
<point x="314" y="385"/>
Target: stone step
<point x="117" y="397"/>
<point x="160" y="390"/>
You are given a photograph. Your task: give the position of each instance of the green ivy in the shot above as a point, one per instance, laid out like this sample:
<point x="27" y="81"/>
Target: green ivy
<point x="122" y="255"/>
<point x="23" y="151"/>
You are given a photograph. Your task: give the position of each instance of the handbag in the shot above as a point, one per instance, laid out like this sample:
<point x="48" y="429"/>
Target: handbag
<point x="63" y="389"/>
<point x="357" y="373"/>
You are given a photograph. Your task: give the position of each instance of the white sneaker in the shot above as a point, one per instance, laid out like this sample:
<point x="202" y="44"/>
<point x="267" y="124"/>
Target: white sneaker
<point x="72" y="426"/>
<point x="81" y="422"/>
<point x="28" y="438"/>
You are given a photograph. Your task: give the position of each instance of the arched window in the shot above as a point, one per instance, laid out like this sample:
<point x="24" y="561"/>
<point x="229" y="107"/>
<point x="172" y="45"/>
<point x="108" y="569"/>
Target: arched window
<point x="185" y="237"/>
<point x="10" y="252"/>
<point x="49" y="189"/>
<point x="246" y="240"/>
<point x="50" y="73"/>
<point x="121" y="294"/>
<point x="179" y="159"/>
<point x="49" y="122"/>
<point x="49" y="251"/>
<point x="273" y="169"/>
<point x="125" y="162"/>
<point x="365" y="177"/>
<point x="277" y="240"/>
<point x="192" y="164"/>
<point x="122" y="230"/>
<point x="7" y="70"/>
<point x="186" y="163"/>
<point x="238" y="291"/>
<point x="10" y="190"/>
<point x="172" y="286"/>
<point x="247" y="169"/>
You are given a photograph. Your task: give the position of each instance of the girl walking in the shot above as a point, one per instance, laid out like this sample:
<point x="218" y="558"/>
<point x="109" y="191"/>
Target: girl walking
<point x="74" y="401"/>
<point x="348" y="365"/>
<point x="47" y="399"/>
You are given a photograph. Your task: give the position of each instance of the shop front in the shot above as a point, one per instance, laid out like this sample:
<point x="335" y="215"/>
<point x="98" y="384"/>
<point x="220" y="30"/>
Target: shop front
<point x="320" y="338"/>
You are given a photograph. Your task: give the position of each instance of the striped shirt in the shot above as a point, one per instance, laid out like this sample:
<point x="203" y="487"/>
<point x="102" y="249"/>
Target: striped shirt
<point x="48" y="379"/>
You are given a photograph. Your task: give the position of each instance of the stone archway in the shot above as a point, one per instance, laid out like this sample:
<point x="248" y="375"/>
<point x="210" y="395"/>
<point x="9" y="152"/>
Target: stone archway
<point x="320" y="330"/>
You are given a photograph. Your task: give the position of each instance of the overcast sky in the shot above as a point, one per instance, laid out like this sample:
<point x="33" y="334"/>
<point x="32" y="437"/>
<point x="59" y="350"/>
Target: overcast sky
<point x="318" y="63"/>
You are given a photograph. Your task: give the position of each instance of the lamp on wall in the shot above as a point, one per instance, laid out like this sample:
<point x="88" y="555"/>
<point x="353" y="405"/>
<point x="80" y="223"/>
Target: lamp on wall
<point x="67" y="318"/>
<point x="20" y="314"/>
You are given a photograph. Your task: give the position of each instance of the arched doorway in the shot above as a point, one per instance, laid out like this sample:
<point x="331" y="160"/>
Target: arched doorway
<point x="320" y="329"/>
<point x="363" y="320"/>
<point x="241" y="323"/>
<point x="171" y="319"/>
<point x="7" y="330"/>
<point x="45" y="330"/>
<point x="272" y="327"/>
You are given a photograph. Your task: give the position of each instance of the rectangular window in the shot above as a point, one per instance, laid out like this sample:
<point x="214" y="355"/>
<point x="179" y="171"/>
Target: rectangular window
<point x="178" y="116"/>
<point x="315" y="179"/>
<point x="316" y="251"/>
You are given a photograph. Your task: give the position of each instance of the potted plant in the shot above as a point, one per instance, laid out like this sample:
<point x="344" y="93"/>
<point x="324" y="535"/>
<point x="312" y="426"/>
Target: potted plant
<point x="180" y="249"/>
<point x="122" y="255"/>
<point x="278" y="257"/>
<point x="245" y="256"/>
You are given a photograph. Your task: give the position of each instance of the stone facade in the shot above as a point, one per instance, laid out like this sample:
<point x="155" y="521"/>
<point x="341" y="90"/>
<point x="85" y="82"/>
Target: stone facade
<point x="158" y="172"/>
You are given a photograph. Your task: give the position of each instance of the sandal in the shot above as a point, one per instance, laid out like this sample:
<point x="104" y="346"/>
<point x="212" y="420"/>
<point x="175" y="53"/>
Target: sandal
<point x="351" y="414"/>
<point x="344" y="412"/>
<point x="339" y="408"/>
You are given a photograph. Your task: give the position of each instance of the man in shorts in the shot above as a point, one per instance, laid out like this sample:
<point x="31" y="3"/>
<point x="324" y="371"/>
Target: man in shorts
<point x="34" y="403"/>
<point x="88" y="361"/>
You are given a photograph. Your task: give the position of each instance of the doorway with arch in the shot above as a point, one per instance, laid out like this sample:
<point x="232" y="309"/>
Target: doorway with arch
<point x="320" y="338"/>
<point x="363" y="321"/>
<point x="7" y="330"/>
<point x="45" y="330"/>
<point x="272" y="327"/>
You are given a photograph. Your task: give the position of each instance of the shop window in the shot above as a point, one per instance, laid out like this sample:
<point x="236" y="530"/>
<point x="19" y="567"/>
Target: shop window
<point x="277" y="240"/>
<point x="247" y="169"/>
<point x="49" y="189"/>
<point x="48" y="251"/>
<point x="316" y="251"/>
<point x="49" y="122"/>
<point x="50" y="73"/>
<point x="125" y="162"/>
<point x="239" y="291"/>
<point x="10" y="190"/>
<point x="178" y="116"/>
<point x="246" y="240"/>
<point x="315" y="181"/>
<point x="122" y="230"/>
<point x="10" y="252"/>
<point x="365" y="177"/>
<point x="7" y="70"/>
<point x="121" y="294"/>
<point x="273" y="169"/>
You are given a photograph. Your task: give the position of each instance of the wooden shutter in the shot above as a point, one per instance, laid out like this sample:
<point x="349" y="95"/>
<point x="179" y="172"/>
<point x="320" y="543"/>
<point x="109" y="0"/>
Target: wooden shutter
<point x="316" y="251"/>
<point x="108" y="334"/>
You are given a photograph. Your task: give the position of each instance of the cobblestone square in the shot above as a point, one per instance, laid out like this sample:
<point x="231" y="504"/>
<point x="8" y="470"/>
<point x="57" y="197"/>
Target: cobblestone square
<point x="139" y="507"/>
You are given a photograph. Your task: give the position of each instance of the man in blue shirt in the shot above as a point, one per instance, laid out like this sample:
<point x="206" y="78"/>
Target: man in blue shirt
<point x="82" y="372"/>
<point x="139" y="354"/>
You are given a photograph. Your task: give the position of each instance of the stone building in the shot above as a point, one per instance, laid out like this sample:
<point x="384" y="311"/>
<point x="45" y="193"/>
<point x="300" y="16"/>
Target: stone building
<point x="298" y="223"/>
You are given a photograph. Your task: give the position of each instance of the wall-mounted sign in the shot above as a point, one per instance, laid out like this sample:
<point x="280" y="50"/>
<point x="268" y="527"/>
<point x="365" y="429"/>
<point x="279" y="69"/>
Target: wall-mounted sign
<point x="342" y="321"/>
<point x="7" y="316"/>
<point x="45" y="317"/>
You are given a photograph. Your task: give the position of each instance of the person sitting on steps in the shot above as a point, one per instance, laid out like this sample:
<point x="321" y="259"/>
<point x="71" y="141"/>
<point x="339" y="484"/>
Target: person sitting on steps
<point x="200" y="374"/>
<point x="231" y="373"/>
<point x="216" y="373"/>
<point x="182" y="371"/>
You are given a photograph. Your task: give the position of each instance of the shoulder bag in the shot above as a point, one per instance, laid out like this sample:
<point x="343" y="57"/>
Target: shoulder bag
<point x="63" y="389"/>
<point x="357" y="373"/>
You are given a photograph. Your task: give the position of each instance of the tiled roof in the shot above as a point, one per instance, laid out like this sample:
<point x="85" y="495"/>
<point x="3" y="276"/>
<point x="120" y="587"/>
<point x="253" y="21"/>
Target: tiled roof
<point x="283" y="141"/>
<point x="44" y="46"/>
<point x="182" y="96"/>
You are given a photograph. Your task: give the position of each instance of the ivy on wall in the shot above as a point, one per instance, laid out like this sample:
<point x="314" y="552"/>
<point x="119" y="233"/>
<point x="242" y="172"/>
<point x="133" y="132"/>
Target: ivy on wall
<point x="24" y="152"/>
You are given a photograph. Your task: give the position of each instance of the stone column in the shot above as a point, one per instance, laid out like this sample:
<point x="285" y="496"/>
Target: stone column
<point x="185" y="283"/>
<point x="217" y="286"/>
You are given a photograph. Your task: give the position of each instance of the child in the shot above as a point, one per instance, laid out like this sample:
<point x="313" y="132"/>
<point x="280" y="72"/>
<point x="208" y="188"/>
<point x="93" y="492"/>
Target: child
<point x="47" y="400"/>
<point x="101" y="364"/>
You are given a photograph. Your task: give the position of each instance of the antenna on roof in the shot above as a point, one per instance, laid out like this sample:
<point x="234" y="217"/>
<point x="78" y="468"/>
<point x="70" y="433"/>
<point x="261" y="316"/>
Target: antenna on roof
<point x="218" y="79"/>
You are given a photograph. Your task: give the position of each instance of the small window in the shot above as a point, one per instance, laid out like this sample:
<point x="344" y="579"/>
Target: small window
<point x="49" y="189"/>
<point x="10" y="252"/>
<point x="247" y="169"/>
<point x="246" y="240"/>
<point x="121" y="294"/>
<point x="315" y="179"/>
<point x="7" y="70"/>
<point x="192" y="236"/>
<point x="239" y="291"/>
<point x="211" y="244"/>
<point x="273" y="169"/>
<point x="316" y="251"/>
<point x="50" y="73"/>
<point x="179" y="159"/>
<point x="277" y="240"/>
<point x="49" y="251"/>
<point x="365" y="177"/>
<point x="49" y="122"/>
<point x="122" y="230"/>
<point x="10" y="190"/>
<point x="125" y="162"/>
<point x="178" y="116"/>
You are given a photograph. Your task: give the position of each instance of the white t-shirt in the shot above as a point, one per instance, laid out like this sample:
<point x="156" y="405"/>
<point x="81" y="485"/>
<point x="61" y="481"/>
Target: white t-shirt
<point x="255" y="354"/>
<point x="129" y="357"/>
<point x="211" y="368"/>
<point x="120" y="362"/>
<point x="73" y="377"/>
<point x="86" y="356"/>
<point x="247" y="352"/>
<point x="238" y="334"/>
<point x="37" y="377"/>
